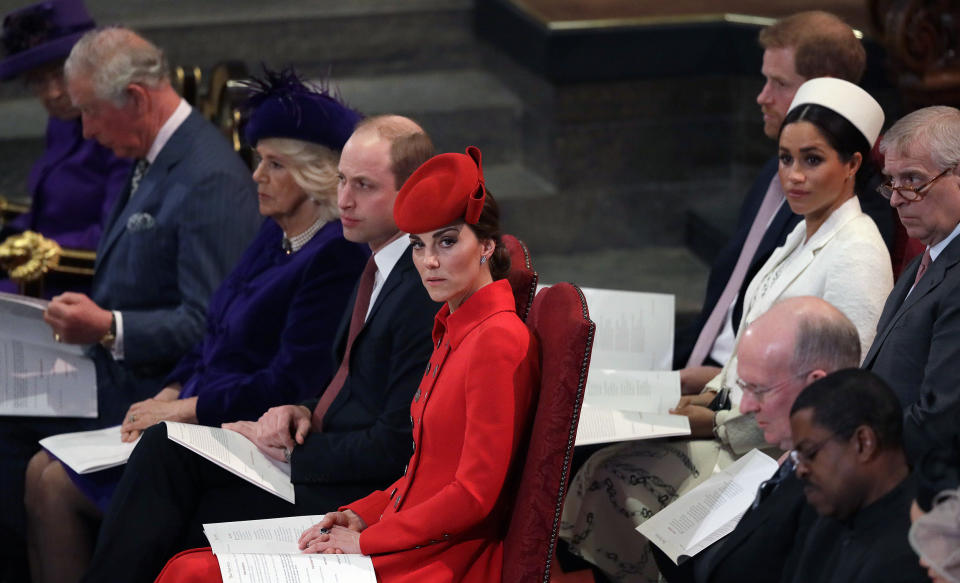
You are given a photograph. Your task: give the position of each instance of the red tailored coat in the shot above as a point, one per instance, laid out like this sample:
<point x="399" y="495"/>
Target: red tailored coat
<point x="444" y="520"/>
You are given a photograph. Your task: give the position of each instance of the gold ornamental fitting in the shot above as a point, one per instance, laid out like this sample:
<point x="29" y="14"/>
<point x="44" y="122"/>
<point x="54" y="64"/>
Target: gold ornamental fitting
<point x="28" y="256"/>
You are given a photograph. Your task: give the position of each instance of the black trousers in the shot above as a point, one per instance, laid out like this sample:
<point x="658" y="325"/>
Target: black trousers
<point x="166" y="495"/>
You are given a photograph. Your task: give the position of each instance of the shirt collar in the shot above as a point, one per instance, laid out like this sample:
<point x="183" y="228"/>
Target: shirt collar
<point x="387" y="257"/>
<point x="937" y="249"/>
<point x="173" y="122"/>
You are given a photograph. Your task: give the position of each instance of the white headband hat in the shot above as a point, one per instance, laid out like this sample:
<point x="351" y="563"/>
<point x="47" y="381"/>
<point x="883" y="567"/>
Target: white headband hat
<point x="846" y="99"/>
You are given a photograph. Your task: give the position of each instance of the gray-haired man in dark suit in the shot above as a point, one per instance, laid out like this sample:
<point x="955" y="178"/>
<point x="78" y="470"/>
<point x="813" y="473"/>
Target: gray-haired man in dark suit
<point x="188" y="213"/>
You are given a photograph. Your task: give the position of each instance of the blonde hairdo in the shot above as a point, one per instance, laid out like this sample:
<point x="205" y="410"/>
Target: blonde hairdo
<point x="314" y="169"/>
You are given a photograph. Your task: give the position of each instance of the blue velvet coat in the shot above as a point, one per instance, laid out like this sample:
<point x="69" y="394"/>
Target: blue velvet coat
<point x="271" y="325"/>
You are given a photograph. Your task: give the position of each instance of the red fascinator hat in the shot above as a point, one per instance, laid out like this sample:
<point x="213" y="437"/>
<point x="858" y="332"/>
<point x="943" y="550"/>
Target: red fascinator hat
<point x="445" y="189"/>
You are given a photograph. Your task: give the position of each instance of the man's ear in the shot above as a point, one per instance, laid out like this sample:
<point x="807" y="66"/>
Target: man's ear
<point x="815" y="375"/>
<point x="138" y="98"/>
<point x="867" y="444"/>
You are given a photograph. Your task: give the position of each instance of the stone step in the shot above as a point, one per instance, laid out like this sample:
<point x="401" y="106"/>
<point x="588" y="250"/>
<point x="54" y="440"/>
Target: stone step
<point x="22" y="118"/>
<point x="18" y="156"/>
<point x="514" y="181"/>
<point x="457" y="108"/>
<point x="316" y="36"/>
<point x="142" y="13"/>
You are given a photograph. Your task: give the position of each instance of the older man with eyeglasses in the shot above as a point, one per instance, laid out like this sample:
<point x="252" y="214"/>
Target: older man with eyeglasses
<point x="917" y="346"/>
<point x="795" y="343"/>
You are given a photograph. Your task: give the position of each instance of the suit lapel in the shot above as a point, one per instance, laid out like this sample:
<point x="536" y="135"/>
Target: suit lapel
<point x="397" y="274"/>
<point x="148" y="191"/>
<point x="899" y="302"/>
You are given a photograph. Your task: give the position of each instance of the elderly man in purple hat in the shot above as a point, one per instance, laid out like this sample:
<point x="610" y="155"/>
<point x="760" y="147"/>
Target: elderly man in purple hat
<point x="76" y="181"/>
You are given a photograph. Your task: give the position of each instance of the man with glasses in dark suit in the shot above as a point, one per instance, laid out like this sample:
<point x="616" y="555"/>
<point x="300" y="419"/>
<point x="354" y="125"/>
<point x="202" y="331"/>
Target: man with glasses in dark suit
<point x="795" y="343"/>
<point x="917" y="345"/>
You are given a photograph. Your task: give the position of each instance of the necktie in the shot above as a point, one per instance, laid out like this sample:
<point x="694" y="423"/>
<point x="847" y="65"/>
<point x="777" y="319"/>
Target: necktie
<point x="360" y="305"/>
<point x="708" y="334"/>
<point x="924" y="264"/>
<point x="139" y="169"/>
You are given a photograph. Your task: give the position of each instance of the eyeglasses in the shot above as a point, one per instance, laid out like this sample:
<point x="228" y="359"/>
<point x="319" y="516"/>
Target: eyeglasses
<point x="910" y="193"/>
<point x="806" y="457"/>
<point x="759" y="393"/>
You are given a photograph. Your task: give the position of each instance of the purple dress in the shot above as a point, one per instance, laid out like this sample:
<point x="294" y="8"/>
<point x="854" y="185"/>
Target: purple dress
<point x="73" y="187"/>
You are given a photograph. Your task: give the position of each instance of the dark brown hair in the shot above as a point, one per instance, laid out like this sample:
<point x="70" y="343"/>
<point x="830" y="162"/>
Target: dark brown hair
<point x="488" y="228"/>
<point x="824" y="45"/>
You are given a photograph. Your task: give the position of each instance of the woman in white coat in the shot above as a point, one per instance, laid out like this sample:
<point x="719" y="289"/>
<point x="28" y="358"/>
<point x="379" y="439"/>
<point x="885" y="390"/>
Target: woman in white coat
<point x="835" y="253"/>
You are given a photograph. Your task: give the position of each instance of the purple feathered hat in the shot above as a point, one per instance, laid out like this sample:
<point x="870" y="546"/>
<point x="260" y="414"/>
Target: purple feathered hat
<point x="41" y="33"/>
<point x="281" y="106"/>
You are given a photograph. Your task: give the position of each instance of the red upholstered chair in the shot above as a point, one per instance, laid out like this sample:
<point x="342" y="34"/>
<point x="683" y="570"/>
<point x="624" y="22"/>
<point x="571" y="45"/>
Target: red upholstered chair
<point x="560" y="320"/>
<point x="522" y="278"/>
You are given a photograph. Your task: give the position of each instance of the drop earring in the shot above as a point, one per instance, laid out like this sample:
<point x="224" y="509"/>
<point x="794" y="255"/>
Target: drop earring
<point x="483" y="259"/>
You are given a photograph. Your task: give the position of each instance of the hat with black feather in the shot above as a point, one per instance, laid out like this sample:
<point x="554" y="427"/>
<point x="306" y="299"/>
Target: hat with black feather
<point x="40" y="34"/>
<point x="282" y="106"/>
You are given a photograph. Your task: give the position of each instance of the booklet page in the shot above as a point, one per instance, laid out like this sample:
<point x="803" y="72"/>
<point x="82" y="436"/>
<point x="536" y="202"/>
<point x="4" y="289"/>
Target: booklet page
<point x="604" y="425"/>
<point x="265" y="551"/>
<point x="634" y="329"/>
<point x="90" y="451"/>
<point x="235" y="453"/>
<point x="711" y="510"/>
<point x="38" y="376"/>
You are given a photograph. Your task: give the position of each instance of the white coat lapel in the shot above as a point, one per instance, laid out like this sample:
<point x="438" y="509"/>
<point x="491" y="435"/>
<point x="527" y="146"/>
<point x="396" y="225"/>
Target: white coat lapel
<point x="792" y="262"/>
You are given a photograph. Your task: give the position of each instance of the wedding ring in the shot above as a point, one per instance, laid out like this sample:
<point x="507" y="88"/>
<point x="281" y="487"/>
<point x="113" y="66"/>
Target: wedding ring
<point x="133" y="419"/>
<point x="56" y="337"/>
<point x="286" y="455"/>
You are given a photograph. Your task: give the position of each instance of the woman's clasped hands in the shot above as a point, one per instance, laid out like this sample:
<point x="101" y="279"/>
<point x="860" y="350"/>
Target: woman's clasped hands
<point x="338" y="533"/>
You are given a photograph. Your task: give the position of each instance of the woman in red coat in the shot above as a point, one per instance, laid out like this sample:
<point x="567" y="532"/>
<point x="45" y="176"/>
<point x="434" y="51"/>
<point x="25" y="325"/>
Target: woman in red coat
<point x="445" y="518"/>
